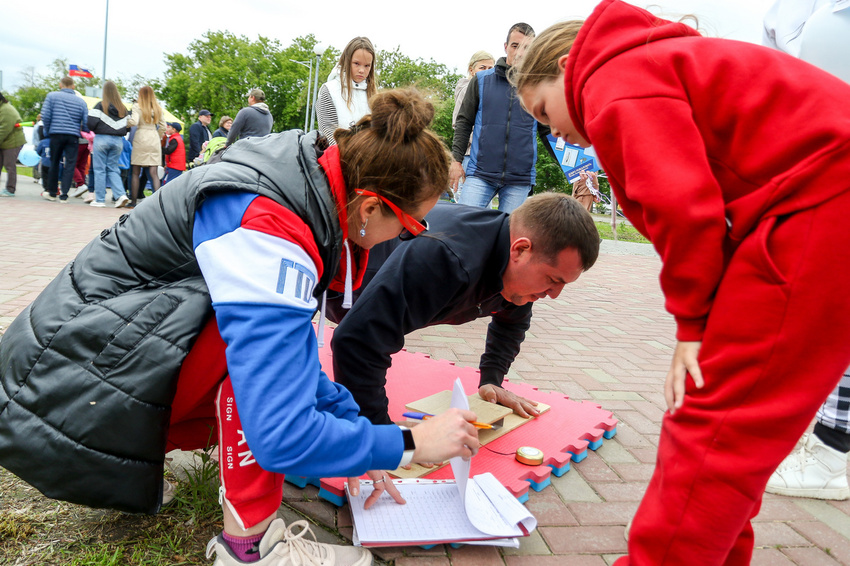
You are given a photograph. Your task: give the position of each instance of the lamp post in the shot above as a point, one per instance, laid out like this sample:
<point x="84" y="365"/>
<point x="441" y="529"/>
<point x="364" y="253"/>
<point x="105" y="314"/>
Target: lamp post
<point x="309" y="65"/>
<point x="318" y="50"/>
<point x="105" y="29"/>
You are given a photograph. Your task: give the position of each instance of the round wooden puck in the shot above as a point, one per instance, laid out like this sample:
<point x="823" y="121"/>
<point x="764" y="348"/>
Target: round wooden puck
<point x="529" y="455"/>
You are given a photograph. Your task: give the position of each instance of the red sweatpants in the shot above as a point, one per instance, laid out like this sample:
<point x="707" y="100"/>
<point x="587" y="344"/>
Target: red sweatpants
<point x="203" y="412"/>
<point x="776" y="344"/>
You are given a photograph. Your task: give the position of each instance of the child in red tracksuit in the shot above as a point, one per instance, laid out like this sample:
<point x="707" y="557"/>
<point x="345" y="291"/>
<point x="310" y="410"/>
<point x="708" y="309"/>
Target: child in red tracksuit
<point x="749" y="214"/>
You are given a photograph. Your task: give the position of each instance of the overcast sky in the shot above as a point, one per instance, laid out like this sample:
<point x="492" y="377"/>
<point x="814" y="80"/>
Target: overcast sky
<point x="448" y="31"/>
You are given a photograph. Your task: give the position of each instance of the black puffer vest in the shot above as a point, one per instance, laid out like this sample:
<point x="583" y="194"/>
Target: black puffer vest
<point x="88" y="370"/>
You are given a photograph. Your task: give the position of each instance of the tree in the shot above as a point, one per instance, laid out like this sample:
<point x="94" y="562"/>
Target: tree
<point x="220" y="69"/>
<point x="434" y="80"/>
<point x="550" y="176"/>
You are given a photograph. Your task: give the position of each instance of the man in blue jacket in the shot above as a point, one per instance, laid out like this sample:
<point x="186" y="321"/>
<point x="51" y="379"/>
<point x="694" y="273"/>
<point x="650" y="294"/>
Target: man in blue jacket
<point x="65" y="115"/>
<point x="504" y="146"/>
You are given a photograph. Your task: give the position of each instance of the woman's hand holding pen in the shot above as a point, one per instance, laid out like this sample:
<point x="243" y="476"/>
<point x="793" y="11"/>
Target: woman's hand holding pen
<point x="437" y="439"/>
<point x="445" y="436"/>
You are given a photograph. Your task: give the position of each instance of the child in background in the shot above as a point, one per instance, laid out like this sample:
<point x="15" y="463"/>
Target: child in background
<point x="749" y="216"/>
<point x="175" y="152"/>
<point x="43" y="150"/>
<point x="344" y="99"/>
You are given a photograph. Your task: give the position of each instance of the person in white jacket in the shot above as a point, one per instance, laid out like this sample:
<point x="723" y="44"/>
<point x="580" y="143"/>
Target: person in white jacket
<point x="344" y="99"/>
<point x="816" y="31"/>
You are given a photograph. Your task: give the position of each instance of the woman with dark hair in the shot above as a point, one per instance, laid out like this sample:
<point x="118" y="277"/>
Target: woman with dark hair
<point x="108" y="121"/>
<point x="12" y="139"/>
<point x="344" y="99"/>
<point x="193" y="314"/>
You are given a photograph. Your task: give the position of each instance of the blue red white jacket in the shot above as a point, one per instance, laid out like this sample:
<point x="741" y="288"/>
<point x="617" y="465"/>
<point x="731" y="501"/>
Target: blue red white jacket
<point x="261" y="264"/>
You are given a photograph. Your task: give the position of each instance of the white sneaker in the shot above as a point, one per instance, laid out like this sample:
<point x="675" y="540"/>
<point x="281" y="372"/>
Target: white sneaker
<point x="168" y="491"/>
<point x="96" y="204"/>
<point x="79" y="190"/>
<point x="281" y="546"/>
<point x="122" y="201"/>
<point x="89" y="197"/>
<point x="815" y="470"/>
<point x="46" y="196"/>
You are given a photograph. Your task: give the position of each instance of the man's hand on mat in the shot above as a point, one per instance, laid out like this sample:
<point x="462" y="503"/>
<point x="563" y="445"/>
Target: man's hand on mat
<point x="684" y="363"/>
<point x="381" y="482"/>
<point x="520" y="405"/>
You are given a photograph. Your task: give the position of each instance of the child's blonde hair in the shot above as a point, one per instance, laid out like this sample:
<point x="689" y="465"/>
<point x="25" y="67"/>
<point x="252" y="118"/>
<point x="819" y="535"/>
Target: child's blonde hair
<point x="540" y="62"/>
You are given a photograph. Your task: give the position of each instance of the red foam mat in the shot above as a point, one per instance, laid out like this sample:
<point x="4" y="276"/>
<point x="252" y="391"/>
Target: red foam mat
<point x="568" y="427"/>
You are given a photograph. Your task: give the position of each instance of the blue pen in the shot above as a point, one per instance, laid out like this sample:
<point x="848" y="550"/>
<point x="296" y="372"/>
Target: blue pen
<point x="417" y="416"/>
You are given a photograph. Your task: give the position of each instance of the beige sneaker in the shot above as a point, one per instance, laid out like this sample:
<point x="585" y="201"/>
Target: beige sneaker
<point x="282" y="546"/>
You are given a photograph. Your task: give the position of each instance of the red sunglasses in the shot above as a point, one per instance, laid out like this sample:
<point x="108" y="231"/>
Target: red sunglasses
<point x="415" y="227"/>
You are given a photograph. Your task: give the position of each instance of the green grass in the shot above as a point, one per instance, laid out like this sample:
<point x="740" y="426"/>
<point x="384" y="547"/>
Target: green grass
<point x="35" y="530"/>
<point x="25" y="171"/>
<point x="625" y="232"/>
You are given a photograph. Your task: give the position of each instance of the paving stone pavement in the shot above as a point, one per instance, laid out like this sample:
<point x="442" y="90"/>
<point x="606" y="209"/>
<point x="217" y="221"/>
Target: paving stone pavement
<point x="606" y="339"/>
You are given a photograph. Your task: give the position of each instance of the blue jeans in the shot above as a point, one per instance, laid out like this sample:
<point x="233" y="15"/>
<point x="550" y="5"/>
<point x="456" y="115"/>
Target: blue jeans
<point x="477" y="192"/>
<point x="107" y="150"/>
<point x="171" y="174"/>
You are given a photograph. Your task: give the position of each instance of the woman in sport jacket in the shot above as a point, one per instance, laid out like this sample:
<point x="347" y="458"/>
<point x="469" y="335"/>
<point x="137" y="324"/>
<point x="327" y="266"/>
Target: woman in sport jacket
<point x="120" y="358"/>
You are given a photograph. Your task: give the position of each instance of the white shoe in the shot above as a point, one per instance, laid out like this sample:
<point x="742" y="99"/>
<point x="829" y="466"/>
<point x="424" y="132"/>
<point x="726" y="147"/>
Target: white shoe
<point x="79" y="190"/>
<point x="89" y="197"/>
<point x="168" y="491"/>
<point x="815" y="470"/>
<point x="281" y="546"/>
<point x="96" y="204"/>
<point x="122" y="201"/>
<point x="46" y="196"/>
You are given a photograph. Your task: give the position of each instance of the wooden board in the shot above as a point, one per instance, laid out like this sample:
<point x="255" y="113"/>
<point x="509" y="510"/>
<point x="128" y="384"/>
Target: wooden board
<point x="485" y="412"/>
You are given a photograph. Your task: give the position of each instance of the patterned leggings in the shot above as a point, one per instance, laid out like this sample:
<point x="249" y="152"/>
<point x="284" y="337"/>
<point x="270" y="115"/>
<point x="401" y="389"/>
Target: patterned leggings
<point x="835" y="412"/>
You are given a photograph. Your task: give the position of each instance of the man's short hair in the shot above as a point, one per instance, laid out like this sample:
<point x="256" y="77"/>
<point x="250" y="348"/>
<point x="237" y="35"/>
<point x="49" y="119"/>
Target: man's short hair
<point x="521" y="27"/>
<point x="66" y="82"/>
<point x="554" y="222"/>
<point x="258" y="95"/>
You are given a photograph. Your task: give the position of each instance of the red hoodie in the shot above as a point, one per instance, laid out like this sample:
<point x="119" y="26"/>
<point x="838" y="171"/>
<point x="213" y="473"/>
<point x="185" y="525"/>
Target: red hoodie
<point x="702" y="138"/>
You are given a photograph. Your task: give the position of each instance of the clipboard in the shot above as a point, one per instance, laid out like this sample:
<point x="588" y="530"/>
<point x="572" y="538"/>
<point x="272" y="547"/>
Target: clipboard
<point x="435" y="513"/>
<point x="468" y="510"/>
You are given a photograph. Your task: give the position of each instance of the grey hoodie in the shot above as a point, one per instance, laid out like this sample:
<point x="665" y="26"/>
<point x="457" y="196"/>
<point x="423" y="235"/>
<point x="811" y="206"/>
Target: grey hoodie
<point x="251" y="121"/>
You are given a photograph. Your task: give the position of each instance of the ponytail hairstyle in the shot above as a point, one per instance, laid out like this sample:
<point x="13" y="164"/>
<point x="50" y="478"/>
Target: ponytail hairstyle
<point x="151" y="110"/>
<point x="393" y="153"/>
<point x="345" y="69"/>
<point x="112" y="97"/>
<point x="540" y="62"/>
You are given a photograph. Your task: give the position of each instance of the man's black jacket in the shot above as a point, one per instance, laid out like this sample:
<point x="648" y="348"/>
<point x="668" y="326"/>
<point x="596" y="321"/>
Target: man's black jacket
<point x="451" y="274"/>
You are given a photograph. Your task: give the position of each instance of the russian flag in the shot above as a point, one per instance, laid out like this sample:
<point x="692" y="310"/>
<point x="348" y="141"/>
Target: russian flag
<point x="76" y="71"/>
